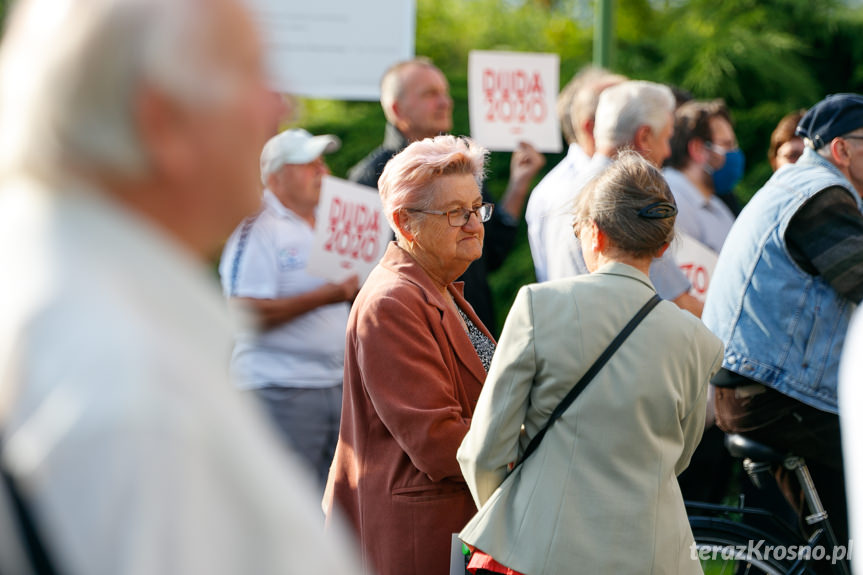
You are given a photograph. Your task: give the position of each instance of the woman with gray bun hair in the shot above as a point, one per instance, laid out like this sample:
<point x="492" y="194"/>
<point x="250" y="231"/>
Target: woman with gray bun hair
<point x="632" y="205"/>
<point x="599" y="488"/>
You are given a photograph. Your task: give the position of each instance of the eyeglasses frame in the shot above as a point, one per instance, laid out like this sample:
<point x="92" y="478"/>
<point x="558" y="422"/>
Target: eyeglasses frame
<point x="465" y="213"/>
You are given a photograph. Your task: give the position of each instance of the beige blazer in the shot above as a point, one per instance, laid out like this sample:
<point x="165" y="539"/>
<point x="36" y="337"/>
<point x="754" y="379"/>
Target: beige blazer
<point x="600" y="495"/>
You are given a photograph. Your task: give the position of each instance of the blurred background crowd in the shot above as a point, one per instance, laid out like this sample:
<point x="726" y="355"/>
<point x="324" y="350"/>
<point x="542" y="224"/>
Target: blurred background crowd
<point x="763" y="58"/>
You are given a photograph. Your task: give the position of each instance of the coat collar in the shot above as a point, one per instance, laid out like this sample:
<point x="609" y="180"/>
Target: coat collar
<point x="402" y="263"/>
<point x="621" y="269"/>
<point x="812" y="158"/>
<point x="394" y="139"/>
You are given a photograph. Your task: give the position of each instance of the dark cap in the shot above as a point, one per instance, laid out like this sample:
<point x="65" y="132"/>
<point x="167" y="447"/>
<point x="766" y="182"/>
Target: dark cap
<point x="832" y="117"/>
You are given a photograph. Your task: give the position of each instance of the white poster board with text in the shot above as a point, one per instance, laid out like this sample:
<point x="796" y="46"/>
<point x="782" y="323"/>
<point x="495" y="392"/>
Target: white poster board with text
<point x="351" y="232"/>
<point x="697" y="261"/>
<point x="512" y="98"/>
<point x="336" y="49"/>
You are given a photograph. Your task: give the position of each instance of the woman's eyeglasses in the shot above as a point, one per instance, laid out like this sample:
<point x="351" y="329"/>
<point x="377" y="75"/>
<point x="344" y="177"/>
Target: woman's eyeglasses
<point x="461" y="216"/>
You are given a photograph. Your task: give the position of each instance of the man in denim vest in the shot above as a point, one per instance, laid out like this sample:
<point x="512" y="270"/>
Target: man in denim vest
<point x="788" y="279"/>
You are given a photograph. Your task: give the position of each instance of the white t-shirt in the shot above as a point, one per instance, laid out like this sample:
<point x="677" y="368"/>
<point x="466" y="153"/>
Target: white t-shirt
<point x="266" y="258"/>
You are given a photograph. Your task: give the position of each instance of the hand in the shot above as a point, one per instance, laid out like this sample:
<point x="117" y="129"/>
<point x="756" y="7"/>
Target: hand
<point x="689" y="303"/>
<point x="526" y="162"/>
<point x="347" y="289"/>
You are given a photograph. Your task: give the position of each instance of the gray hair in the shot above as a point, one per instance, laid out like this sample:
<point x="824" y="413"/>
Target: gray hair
<point x="616" y="200"/>
<point x="70" y="71"/>
<point x="566" y="96"/>
<point x="393" y="84"/>
<point x="586" y="98"/>
<point x="622" y="109"/>
<point x="825" y="152"/>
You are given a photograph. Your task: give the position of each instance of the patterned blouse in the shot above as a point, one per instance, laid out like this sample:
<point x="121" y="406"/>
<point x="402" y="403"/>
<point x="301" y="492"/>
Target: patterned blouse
<point x="481" y="343"/>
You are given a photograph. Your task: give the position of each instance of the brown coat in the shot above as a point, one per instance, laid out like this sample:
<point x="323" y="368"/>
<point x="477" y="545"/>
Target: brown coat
<point x="412" y="380"/>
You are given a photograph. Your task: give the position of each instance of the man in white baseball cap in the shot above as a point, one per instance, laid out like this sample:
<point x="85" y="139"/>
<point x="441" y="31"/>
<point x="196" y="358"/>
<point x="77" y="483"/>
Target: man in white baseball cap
<point x="293" y="361"/>
<point x="295" y="147"/>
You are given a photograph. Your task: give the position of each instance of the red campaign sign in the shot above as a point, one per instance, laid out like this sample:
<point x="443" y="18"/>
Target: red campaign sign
<point x="514" y="95"/>
<point x="511" y="99"/>
<point x="696" y="261"/>
<point x="353" y="231"/>
<point x="698" y="276"/>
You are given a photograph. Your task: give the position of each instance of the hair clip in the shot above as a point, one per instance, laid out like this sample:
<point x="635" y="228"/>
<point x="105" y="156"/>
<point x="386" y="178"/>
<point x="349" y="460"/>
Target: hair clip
<point x="658" y="211"/>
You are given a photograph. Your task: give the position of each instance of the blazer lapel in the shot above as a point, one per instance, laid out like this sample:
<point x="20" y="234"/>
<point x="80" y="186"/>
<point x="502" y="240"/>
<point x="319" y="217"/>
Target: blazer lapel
<point x="402" y="263"/>
<point x="459" y="338"/>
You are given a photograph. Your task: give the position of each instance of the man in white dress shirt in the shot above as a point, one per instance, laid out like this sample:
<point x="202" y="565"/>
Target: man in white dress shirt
<point x="131" y="131"/>
<point x="577" y="108"/>
<point x="637" y="115"/>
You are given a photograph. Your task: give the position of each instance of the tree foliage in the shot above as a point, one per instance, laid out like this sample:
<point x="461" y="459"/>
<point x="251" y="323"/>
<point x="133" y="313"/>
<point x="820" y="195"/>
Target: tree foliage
<point x="764" y="57"/>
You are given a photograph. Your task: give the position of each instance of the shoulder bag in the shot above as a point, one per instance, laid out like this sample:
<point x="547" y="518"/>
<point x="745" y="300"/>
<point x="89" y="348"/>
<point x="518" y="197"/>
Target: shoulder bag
<point x="587" y="377"/>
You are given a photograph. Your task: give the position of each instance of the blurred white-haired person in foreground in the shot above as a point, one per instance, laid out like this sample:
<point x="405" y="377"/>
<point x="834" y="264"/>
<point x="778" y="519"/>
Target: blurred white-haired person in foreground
<point x="130" y="136"/>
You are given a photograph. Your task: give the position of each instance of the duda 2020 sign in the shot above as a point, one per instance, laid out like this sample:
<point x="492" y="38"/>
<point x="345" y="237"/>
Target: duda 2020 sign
<point x="512" y="99"/>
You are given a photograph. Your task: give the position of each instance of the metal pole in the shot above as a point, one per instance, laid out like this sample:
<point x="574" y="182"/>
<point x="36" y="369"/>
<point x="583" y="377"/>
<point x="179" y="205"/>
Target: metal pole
<point x="603" y="30"/>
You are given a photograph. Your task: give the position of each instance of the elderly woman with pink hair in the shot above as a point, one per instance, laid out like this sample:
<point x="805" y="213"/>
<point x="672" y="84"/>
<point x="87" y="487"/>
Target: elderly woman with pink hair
<point x="416" y="359"/>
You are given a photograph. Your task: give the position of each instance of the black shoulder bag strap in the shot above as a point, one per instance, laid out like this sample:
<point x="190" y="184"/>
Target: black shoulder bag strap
<point x="28" y="534"/>
<point x="588" y="376"/>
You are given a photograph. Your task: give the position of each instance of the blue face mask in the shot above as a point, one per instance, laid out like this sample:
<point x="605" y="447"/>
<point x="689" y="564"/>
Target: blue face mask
<point x="725" y="178"/>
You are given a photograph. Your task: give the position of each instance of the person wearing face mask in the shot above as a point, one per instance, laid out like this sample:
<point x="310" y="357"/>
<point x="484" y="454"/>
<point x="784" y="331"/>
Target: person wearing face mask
<point x="702" y="136"/>
<point x="728" y="170"/>
<point x="699" y="126"/>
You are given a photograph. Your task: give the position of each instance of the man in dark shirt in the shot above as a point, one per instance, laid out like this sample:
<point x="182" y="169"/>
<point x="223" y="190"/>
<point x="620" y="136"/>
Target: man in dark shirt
<point x="417" y="105"/>
<point x="789" y="276"/>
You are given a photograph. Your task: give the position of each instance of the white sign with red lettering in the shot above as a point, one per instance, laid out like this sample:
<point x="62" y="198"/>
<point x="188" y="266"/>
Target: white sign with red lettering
<point x="697" y="261"/>
<point x="512" y="98"/>
<point x="351" y="232"/>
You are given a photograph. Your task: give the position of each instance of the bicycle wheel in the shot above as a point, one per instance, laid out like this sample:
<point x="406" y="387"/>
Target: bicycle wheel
<point x="726" y="547"/>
